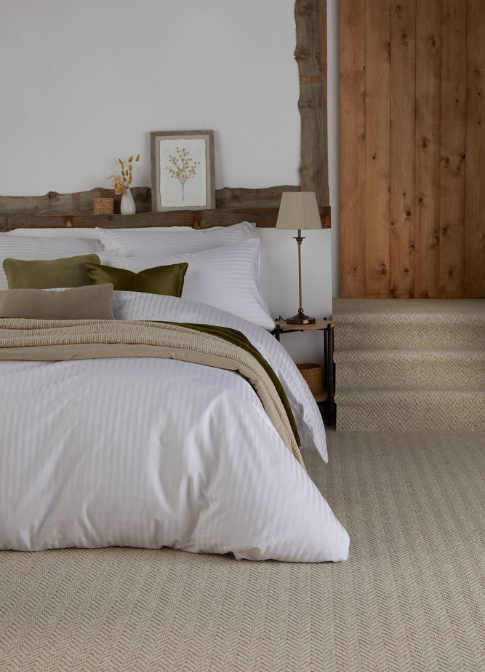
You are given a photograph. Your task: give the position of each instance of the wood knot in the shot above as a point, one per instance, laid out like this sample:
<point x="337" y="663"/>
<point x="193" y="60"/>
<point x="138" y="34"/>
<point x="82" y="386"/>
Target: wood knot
<point x="420" y="199"/>
<point x="406" y="271"/>
<point x="305" y="9"/>
<point x="52" y="194"/>
<point x="408" y="213"/>
<point x="425" y="144"/>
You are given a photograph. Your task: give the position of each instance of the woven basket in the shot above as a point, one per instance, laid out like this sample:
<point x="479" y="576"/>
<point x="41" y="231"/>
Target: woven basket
<point x="103" y="206"/>
<point x="313" y="374"/>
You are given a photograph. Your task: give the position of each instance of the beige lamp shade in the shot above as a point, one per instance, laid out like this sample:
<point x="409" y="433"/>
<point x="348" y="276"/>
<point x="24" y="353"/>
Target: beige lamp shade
<point x="299" y="210"/>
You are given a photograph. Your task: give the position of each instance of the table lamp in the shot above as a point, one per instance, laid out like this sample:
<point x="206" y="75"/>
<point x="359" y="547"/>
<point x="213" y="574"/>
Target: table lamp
<point x="299" y="210"/>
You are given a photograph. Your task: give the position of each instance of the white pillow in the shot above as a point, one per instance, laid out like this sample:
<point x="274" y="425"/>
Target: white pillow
<point x="226" y="278"/>
<point x="136" y="243"/>
<point x="20" y="247"/>
<point x="55" y="232"/>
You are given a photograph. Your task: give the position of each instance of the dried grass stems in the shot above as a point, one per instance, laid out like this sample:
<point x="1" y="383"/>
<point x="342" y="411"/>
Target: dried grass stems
<point x="121" y="182"/>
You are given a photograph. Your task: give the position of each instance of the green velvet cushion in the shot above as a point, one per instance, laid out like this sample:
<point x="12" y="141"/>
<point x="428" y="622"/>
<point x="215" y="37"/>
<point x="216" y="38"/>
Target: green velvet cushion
<point x="42" y="274"/>
<point x="167" y="280"/>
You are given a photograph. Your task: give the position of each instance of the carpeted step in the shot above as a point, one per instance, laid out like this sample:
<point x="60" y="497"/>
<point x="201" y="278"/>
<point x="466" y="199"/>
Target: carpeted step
<point x="410" y="369"/>
<point x="410" y="410"/>
<point x="368" y="324"/>
<point x="410" y="365"/>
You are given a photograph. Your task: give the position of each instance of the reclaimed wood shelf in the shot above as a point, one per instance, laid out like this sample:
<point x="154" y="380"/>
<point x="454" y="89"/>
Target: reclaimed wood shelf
<point x="196" y="219"/>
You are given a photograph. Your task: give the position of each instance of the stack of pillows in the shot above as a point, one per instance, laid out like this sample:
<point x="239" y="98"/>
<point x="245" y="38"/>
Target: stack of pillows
<point x="219" y="267"/>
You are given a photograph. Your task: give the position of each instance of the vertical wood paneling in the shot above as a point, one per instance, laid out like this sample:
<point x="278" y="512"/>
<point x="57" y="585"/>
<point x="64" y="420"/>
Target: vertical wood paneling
<point x="352" y="147"/>
<point x="427" y="187"/>
<point x="453" y="149"/>
<point x="475" y="152"/>
<point x="403" y="104"/>
<point x="378" y="149"/>
<point x="413" y="148"/>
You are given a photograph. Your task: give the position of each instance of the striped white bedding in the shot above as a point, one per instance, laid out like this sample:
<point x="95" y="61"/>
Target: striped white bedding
<point x="152" y="453"/>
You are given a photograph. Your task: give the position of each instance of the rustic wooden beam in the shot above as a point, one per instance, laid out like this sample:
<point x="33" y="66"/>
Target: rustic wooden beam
<point x="82" y="201"/>
<point x="77" y="201"/>
<point x="252" y="198"/>
<point x="197" y="219"/>
<point x="311" y="56"/>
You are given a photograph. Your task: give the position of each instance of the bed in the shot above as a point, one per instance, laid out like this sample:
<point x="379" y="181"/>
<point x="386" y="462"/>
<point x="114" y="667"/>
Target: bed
<point x="151" y="430"/>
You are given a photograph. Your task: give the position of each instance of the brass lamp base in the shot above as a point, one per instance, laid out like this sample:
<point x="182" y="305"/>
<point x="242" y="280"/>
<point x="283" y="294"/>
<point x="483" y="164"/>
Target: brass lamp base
<point x="300" y="318"/>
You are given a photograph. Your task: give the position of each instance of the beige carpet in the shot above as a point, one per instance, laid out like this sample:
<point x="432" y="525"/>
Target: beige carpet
<point x="410" y="365"/>
<point x="412" y="596"/>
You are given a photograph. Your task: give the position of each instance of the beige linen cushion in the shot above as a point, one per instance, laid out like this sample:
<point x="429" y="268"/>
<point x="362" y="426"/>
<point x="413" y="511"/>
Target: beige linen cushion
<point x="79" y="303"/>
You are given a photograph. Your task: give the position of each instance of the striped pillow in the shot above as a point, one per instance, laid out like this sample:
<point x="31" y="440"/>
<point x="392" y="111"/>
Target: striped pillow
<point x="28" y="249"/>
<point x="226" y="278"/>
<point x="135" y="243"/>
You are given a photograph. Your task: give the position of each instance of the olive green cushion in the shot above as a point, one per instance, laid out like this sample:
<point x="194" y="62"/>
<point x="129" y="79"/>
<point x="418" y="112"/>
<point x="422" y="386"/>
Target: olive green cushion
<point x="167" y="280"/>
<point x="43" y="274"/>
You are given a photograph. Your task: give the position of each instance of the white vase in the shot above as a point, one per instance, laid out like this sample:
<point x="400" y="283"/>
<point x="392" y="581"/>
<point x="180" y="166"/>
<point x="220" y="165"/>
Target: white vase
<point x="128" y="206"/>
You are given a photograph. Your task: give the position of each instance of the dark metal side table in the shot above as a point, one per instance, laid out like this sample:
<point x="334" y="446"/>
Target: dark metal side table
<point x="327" y="396"/>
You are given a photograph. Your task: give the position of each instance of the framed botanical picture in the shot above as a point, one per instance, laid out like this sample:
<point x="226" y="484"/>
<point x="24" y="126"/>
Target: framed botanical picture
<point x="182" y="170"/>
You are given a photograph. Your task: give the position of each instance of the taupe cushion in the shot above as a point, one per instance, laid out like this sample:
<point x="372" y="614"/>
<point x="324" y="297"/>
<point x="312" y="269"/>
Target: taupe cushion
<point x="80" y="303"/>
<point x="48" y="274"/>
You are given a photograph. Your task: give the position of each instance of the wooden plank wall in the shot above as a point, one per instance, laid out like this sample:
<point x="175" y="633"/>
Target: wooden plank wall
<point x="412" y="148"/>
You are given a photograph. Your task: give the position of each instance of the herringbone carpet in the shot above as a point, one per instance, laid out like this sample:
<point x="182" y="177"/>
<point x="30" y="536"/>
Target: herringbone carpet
<point x="410" y="365"/>
<point x="411" y="597"/>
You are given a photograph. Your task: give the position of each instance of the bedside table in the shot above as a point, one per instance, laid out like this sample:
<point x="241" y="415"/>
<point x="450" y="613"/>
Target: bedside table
<point x="327" y="326"/>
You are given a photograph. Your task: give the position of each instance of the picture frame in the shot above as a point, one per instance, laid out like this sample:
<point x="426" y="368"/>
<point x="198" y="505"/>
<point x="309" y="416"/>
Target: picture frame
<point x="182" y="170"/>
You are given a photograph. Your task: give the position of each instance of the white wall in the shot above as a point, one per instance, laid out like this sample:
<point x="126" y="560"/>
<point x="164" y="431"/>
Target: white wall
<point x="85" y="82"/>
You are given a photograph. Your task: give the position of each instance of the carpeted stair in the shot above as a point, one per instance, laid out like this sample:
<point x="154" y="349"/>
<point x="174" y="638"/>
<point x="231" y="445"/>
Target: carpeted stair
<point x="410" y="365"/>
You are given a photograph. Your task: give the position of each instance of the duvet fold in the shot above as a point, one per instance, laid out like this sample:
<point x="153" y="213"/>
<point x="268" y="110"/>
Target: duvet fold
<point x="119" y="435"/>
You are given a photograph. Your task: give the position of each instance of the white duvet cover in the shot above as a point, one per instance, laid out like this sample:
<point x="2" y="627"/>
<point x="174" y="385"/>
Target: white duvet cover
<point x="152" y="452"/>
